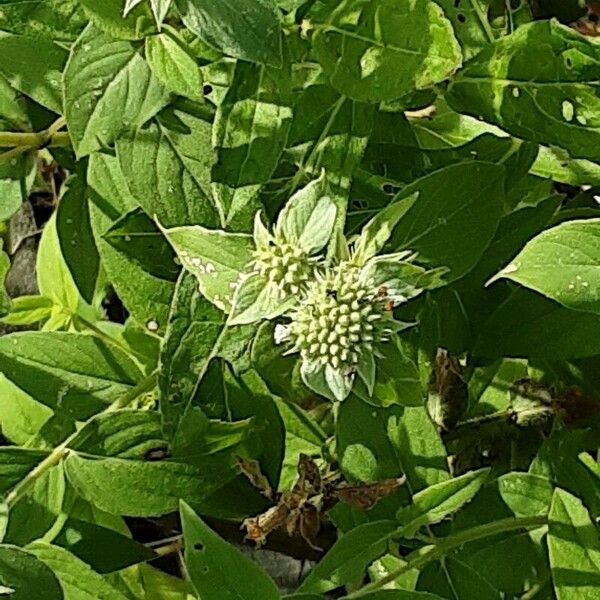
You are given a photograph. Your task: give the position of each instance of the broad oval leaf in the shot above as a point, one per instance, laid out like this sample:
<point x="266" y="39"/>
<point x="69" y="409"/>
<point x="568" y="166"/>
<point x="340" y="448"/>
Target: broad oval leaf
<point x="562" y="263"/>
<point x="540" y="83"/>
<point x="144" y="489"/>
<point x="375" y="51"/>
<point x="75" y="373"/>
<point x="247" y="29"/>
<point x="109" y="90"/>
<point x="526" y="494"/>
<point x="174" y="66"/>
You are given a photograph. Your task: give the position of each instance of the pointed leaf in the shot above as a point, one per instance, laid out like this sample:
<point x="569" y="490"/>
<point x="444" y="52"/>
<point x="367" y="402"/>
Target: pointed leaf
<point x="211" y="563"/>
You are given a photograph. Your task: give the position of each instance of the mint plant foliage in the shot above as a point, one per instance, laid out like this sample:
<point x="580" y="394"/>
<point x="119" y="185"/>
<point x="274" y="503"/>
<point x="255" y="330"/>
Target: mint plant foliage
<point x="310" y="276"/>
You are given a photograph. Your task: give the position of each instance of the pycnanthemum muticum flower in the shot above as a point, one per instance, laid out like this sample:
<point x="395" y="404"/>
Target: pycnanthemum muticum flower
<point x="286" y="267"/>
<point x="337" y="326"/>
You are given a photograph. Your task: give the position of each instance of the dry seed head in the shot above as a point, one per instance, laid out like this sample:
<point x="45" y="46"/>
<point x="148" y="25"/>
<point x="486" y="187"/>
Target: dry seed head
<point x="339" y="319"/>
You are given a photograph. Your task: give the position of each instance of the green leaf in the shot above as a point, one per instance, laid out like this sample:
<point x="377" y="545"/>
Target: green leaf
<point x="57" y="20"/>
<point x="470" y="23"/>
<point x="144" y="295"/>
<point x="350" y="557"/>
<point x="16" y="180"/>
<point x="210" y="562"/>
<point x="528" y="324"/>
<point x="77" y="579"/>
<point x="247" y="29"/>
<point x="75" y="373"/>
<point x="15" y="463"/>
<point x="526" y="494"/>
<point x="539" y="83"/>
<point x="34" y="67"/>
<point x="436" y="502"/>
<point x="109" y="16"/>
<point x="173" y="65"/>
<point x="166" y="166"/>
<point x="216" y="258"/>
<point x="250" y="131"/>
<point x="562" y="263"/>
<point x="23" y="576"/>
<point x="196" y="335"/>
<point x="369" y="444"/>
<point x="137" y="236"/>
<point x="255" y="300"/>
<point x="21" y="416"/>
<point x="146" y="488"/>
<point x="160" y="8"/>
<point x="54" y="278"/>
<point x="400" y="595"/>
<point x="308" y="217"/>
<point x="573" y="548"/>
<point x="378" y="230"/>
<point x="76" y="237"/>
<point x="434" y="224"/>
<point x="124" y="433"/>
<point x="103" y="549"/>
<point x="419" y="448"/>
<point x="375" y="52"/>
<point x="458" y="579"/>
<point x="109" y="91"/>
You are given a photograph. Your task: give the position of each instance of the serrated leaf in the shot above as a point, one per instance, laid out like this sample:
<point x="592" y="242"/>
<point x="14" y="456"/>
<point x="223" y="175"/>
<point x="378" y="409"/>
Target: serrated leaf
<point x="436" y="502"/>
<point x="210" y="562"/>
<point x="562" y="263"/>
<point x="381" y="51"/>
<point x="174" y="66"/>
<point x="109" y="91"/>
<point x="349" y="557"/>
<point x="247" y="29"/>
<point x="573" y="547"/>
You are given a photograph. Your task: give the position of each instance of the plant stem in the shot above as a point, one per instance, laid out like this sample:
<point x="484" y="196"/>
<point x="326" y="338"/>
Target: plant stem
<point x="61" y="452"/>
<point x="427" y="554"/>
<point x="20" y="142"/>
<point x="143" y="387"/>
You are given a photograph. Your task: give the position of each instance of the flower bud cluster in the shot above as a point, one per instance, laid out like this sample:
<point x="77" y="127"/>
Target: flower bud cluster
<point x="287" y="267"/>
<point x="339" y="319"/>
